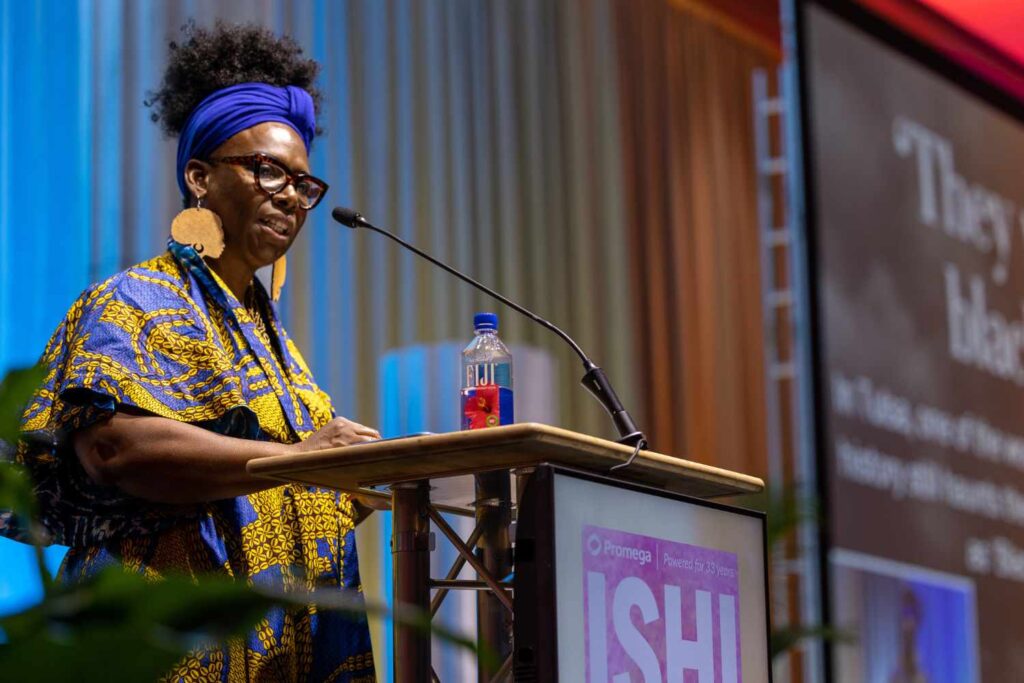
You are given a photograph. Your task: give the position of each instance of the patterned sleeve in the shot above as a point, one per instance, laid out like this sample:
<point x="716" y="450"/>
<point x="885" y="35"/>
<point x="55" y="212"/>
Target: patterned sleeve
<point x="137" y="340"/>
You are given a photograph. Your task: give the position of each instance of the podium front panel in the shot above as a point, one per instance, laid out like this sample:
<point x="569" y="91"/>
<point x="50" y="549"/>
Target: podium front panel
<point x="617" y="580"/>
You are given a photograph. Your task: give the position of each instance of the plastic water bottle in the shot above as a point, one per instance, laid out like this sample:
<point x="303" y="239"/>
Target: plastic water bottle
<point x="486" y="377"/>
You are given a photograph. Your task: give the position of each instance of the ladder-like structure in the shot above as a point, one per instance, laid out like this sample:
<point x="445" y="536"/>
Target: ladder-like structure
<point x="795" y="566"/>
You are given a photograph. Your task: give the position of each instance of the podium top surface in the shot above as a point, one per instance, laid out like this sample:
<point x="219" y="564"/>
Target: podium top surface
<point x="455" y="454"/>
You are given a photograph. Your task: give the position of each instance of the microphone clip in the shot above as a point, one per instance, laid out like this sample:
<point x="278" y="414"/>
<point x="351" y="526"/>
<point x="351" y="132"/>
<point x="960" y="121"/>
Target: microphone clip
<point x="596" y="382"/>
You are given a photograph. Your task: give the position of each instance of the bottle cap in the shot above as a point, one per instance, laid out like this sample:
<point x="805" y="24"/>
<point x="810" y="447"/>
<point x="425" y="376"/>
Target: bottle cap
<point x="485" y="321"/>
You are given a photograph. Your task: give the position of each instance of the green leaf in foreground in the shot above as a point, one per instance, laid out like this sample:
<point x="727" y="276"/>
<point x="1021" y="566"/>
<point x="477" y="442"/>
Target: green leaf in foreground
<point x="16" y="389"/>
<point x="122" y="627"/>
<point x="118" y="626"/>
<point x="783" y="639"/>
<point x="786" y="509"/>
<point x="16" y="490"/>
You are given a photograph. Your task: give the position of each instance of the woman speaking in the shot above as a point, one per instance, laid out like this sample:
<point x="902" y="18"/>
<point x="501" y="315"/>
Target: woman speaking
<point x="167" y="378"/>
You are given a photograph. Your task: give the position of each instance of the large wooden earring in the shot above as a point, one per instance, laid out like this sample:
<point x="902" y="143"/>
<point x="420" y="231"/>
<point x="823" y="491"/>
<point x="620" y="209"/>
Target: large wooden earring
<point x="200" y="228"/>
<point x="277" y="274"/>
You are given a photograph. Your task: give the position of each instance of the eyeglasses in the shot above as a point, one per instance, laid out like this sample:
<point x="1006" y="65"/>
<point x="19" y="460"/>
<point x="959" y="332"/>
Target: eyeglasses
<point x="271" y="177"/>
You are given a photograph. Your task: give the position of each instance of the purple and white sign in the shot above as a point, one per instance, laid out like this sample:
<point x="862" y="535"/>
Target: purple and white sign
<point x="657" y="610"/>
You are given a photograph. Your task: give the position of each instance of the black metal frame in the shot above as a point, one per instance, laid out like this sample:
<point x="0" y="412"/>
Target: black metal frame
<point x="535" y="657"/>
<point x="929" y="57"/>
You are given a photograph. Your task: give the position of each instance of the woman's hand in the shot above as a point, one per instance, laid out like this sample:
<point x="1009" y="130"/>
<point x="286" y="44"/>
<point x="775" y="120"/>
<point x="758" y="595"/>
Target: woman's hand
<point x="338" y="432"/>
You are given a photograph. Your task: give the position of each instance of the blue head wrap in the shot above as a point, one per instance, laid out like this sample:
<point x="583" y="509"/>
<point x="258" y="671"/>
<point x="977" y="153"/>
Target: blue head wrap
<point x="233" y="109"/>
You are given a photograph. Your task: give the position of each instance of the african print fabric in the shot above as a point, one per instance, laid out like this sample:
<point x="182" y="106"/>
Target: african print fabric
<point x="168" y="337"/>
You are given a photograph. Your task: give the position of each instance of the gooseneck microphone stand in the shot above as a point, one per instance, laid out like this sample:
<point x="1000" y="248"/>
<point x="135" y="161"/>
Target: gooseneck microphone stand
<point x="594" y="378"/>
<point x="493" y="502"/>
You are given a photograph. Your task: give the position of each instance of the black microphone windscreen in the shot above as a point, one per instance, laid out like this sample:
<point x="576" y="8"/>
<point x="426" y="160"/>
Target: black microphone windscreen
<point x="347" y="216"/>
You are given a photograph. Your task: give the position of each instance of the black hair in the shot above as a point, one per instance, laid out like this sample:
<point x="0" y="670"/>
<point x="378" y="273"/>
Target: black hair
<point x="207" y="60"/>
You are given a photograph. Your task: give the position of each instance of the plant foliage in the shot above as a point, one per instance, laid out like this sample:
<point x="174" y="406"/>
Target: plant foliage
<point x="120" y="626"/>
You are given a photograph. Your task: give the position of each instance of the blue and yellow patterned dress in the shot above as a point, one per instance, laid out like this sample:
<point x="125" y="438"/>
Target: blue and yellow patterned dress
<point x="169" y="338"/>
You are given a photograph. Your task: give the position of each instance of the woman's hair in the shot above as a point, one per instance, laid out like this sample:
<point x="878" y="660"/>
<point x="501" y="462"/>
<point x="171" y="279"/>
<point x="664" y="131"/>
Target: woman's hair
<point x="207" y="60"/>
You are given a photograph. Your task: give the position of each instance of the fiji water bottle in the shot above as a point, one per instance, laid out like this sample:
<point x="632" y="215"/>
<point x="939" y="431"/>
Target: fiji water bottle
<point x="486" y="377"/>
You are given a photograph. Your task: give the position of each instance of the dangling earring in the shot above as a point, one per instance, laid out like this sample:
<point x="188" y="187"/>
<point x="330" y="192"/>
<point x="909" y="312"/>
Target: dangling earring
<point x="277" y="274"/>
<point x="200" y="228"/>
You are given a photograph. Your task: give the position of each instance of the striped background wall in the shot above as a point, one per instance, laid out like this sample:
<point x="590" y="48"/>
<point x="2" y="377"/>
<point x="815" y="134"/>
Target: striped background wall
<point x="487" y="132"/>
<point x="575" y="154"/>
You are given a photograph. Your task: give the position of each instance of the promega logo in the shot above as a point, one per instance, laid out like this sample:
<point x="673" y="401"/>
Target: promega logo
<point x="597" y="546"/>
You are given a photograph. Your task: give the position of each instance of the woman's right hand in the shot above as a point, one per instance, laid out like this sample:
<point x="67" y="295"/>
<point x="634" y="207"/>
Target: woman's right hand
<point x="338" y="432"/>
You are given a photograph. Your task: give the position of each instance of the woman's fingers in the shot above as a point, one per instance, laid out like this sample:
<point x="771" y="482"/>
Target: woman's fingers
<point x="353" y="432"/>
<point x="363" y="430"/>
<point x="337" y="433"/>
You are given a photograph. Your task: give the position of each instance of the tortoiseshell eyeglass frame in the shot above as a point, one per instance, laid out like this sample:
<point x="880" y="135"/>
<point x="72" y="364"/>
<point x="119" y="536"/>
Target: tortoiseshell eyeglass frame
<point x="253" y="161"/>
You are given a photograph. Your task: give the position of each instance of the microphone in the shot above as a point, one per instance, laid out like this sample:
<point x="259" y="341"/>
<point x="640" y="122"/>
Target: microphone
<point x="594" y="380"/>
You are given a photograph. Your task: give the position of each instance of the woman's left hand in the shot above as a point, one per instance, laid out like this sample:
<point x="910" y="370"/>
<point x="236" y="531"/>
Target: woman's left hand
<point x="338" y="432"/>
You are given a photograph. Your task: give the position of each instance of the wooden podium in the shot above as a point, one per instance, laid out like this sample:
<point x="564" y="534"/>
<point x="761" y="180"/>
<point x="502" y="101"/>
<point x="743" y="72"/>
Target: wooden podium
<point x="468" y="473"/>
